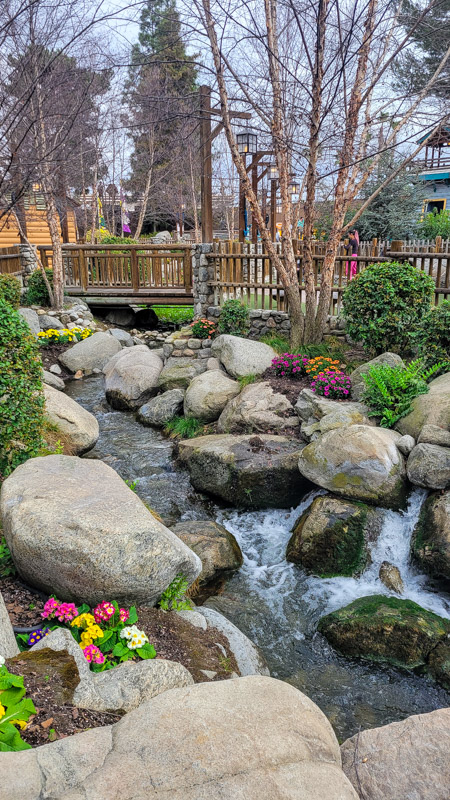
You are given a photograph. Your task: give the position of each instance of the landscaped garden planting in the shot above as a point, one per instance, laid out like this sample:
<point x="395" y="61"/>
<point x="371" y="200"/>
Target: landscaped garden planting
<point x="63" y="336"/>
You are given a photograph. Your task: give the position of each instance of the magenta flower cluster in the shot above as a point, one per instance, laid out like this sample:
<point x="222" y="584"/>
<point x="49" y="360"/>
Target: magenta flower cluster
<point x="289" y="365"/>
<point x="334" y="385"/>
<point x="64" y="612"/>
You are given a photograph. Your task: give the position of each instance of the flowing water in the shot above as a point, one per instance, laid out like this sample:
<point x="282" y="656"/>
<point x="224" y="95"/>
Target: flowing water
<point x="275" y="603"/>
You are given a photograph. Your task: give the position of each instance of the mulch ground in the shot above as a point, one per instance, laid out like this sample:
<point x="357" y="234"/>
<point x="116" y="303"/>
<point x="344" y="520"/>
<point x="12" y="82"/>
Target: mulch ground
<point x="50" y="356"/>
<point x="290" y="387"/>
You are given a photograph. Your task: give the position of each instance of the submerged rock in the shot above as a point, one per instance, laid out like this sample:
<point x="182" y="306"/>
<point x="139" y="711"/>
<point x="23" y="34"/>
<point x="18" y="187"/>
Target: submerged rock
<point x="228" y="739"/>
<point x="217" y="549"/>
<point x="431" y="538"/>
<point x="387" y="763"/>
<point x="390" y="575"/>
<point x="387" y="629"/>
<point x="242" y="357"/>
<point x="75" y="529"/>
<point x="331" y="537"/>
<point x="247" y="471"/>
<point x="359" y="463"/>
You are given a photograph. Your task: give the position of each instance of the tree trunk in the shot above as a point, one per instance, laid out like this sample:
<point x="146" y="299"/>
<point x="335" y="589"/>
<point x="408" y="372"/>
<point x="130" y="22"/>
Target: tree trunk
<point x="296" y="317"/>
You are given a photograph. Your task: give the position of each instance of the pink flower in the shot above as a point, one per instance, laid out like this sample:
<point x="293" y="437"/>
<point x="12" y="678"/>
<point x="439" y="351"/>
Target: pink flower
<point x="50" y="608"/>
<point x="66" y="612"/>
<point x="123" y="614"/>
<point x="103" y="612"/>
<point x="93" y="653"/>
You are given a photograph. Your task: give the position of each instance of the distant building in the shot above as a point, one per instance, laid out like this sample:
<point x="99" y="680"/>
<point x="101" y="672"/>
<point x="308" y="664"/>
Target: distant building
<point x="435" y="170"/>
<point x="34" y="214"/>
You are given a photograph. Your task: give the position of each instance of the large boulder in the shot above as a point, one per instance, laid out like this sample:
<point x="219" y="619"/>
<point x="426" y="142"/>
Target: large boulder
<point x="76" y="530"/>
<point x="235" y="739"/>
<point x="257" y="408"/>
<point x="32" y="319"/>
<point x="311" y="407"/>
<point x="208" y="394"/>
<point x="356" y="377"/>
<point x="92" y="353"/>
<point x="217" y="549"/>
<point x="179" y="372"/>
<point x="161" y="409"/>
<point x="339" y="418"/>
<point x="331" y="537"/>
<point x="242" y="357"/>
<point x="429" y="466"/>
<point x="121" y="689"/>
<point x="387" y="763"/>
<point x="247" y="471"/>
<point x="431" y="538"/>
<point x="357" y="462"/>
<point x="131" y="377"/>
<point x="8" y="644"/>
<point x="429" y="409"/>
<point x="46" y="322"/>
<point x="387" y="629"/>
<point x="80" y="427"/>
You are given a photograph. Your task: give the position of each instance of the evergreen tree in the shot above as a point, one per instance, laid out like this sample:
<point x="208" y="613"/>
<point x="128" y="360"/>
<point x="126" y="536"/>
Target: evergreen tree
<point x="395" y="211"/>
<point x="429" y="43"/>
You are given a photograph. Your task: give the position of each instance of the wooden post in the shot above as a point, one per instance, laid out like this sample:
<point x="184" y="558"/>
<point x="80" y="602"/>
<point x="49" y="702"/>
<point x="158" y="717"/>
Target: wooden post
<point x="134" y="270"/>
<point x="83" y="270"/>
<point x="374" y="247"/>
<point x="255" y="160"/>
<point x="273" y="209"/>
<point x="438" y="244"/>
<point x="206" y="163"/>
<point x="397" y="245"/>
<point x="187" y="270"/>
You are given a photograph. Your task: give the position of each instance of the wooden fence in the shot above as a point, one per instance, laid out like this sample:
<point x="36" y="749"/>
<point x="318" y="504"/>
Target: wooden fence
<point x="245" y="272"/>
<point x="10" y="263"/>
<point x="128" y="270"/>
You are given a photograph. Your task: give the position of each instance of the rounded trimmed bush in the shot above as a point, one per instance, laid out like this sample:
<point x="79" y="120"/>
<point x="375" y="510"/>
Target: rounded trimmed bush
<point x="36" y="289"/>
<point x="234" y="318"/>
<point x="384" y="306"/>
<point x="21" y="396"/>
<point x="435" y="340"/>
<point x="10" y="290"/>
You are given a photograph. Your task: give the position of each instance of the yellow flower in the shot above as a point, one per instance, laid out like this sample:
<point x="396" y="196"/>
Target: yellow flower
<point x="94" y="631"/>
<point x="22" y="725"/>
<point x="85" y="639"/>
<point x="2" y="711"/>
<point x="83" y="621"/>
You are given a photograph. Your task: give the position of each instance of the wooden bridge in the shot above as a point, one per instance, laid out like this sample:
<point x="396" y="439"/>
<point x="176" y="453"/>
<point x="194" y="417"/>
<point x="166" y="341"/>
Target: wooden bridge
<point x="114" y="275"/>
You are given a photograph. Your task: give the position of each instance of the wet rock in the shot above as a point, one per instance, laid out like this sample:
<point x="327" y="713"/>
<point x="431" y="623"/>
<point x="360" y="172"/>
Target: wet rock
<point x="8" y="644"/>
<point x="93" y="352"/>
<point x="439" y="664"/>
<point x="217" y="549"/>
<point x="258" y="736"/>
<point x="431" y="538"/>
<point x="385" y="629"/>
<point x="390" y="575"/>
<point x="429" y="409"/>
<point x="52" y="380"/>
<point x="406" y="444"/>
<point x="331" y="537"/>
<point x="247" y="471"/>
<point x="208" y="394"/>
<point x="161" y="409"/>
<point x="387" y="763"/>
<point x="131" y="377"/>
<point x="429" y="466"/>
<point x="79" y="427"/>
<point x="356" y="377"/>
<point x="242" y="357"/>
<point x="105" y="544"/>
<point x="359" y="463"/>
<point x="257" y="408"/>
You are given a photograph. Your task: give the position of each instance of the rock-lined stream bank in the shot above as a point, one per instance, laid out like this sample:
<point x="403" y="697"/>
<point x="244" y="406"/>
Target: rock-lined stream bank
<point x="272" y="601"/>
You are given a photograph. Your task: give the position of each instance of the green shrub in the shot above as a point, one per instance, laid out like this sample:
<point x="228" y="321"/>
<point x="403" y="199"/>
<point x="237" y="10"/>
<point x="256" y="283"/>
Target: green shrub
<point x="36" y="289"/>
<point x="234" y="318"/>
<point x="385" y="304"/>
<point x="15" y="711"/>
<point x="389" y="391"/>
<point x="435" y="224"/>
<point x="183" y="427"/>
<point x="434" y="343"/>
<point x="21" y="397"/>
<point x="178" y="315"/>
<point x="10" y="290"/>
<point x="203" y="329"/>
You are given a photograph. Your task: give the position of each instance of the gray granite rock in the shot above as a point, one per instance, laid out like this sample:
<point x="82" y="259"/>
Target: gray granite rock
<point x="161" y="409"/>
<point x="79" y="426"/>
<point x="248" y="657"/>
<point x="8" y="644"/>
<point x="242" y="357"/>
<point x="122" y="336"/>
<point x="46" y="322"/>
<point x="52" y="380"/>
<point x="208" y="394"/>
<point x="32" y="319"/>
<point x="131" y="377"/>
<point x="358" y="385"/>
<point x="429" y="466"/>
<point x="95" y="351"/>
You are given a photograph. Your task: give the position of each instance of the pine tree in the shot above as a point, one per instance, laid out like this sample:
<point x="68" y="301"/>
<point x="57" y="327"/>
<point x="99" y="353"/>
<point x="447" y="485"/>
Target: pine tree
<point x="429" y="44"/>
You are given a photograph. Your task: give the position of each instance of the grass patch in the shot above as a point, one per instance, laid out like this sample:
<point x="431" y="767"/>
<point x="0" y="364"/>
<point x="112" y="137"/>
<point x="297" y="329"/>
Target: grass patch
<point x="179" y="315"/>
<point x="183" y="427"/>
<point x="246" y="380"/>
<point x="55" y="442"/>
<point x="279" y="343"/>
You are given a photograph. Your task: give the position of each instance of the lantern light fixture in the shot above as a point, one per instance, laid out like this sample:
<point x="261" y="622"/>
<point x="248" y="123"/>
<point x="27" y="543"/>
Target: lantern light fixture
<point x="273" y="172"/>
<point x="294" y="186"/>
<point x="247" y="142"/>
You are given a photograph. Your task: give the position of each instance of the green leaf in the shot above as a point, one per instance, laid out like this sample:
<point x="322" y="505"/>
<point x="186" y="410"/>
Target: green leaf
<point x="133" y="618"/>
<point x="120" y="650"/>
<point x="148" y="651"/>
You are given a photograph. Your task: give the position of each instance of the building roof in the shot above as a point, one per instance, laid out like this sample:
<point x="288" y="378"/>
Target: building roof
<point x="439" y="139"/>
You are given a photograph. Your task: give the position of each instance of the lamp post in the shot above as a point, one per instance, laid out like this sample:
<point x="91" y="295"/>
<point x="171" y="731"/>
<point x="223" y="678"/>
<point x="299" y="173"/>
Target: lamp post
<point x="273" y="174"/>
<point x="247" y="144"/>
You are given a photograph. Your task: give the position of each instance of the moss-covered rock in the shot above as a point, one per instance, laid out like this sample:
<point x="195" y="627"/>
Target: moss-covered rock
<point x="439" y="664"/>
<point x="331" y="537"/>
<point x="385" y="629"/>
<point x="431" y="539"/>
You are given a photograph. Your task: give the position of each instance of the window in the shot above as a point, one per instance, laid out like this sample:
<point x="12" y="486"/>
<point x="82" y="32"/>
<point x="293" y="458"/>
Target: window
<point x="439" y="204"/>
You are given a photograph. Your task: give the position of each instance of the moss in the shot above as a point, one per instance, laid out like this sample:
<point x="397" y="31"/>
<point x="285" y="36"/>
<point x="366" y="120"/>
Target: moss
<point x="385" y="629"/>
<point x="342" y="480"/>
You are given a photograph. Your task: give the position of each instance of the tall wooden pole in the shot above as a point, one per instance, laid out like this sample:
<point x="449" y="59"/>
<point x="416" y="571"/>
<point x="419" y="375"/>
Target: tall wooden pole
<point x="255" y="161"/>
<point x="273" y="209"/>
<point x="241" y="210"/>
<point x="206" y="163"/>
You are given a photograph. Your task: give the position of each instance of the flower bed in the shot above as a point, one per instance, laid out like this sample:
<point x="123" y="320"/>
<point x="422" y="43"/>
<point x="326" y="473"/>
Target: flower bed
<point x="63" y="336"/>
<point x="289" y="365"/>
<point x="324" y="373"/>
<point x="203" y="329"/>
<point x="334" y="385"/>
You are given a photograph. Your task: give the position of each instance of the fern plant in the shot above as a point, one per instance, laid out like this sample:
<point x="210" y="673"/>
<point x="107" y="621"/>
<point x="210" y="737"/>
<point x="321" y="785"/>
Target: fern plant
<point x="389" y="391"/>
<point x="173" y="599"/>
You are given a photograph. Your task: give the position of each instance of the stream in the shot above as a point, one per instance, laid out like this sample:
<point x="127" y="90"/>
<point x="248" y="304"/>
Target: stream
<point x="275" y="603"/>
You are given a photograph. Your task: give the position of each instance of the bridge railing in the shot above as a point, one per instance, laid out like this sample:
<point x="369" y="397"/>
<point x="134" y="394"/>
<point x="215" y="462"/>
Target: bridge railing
<point x="127" y="269"/>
